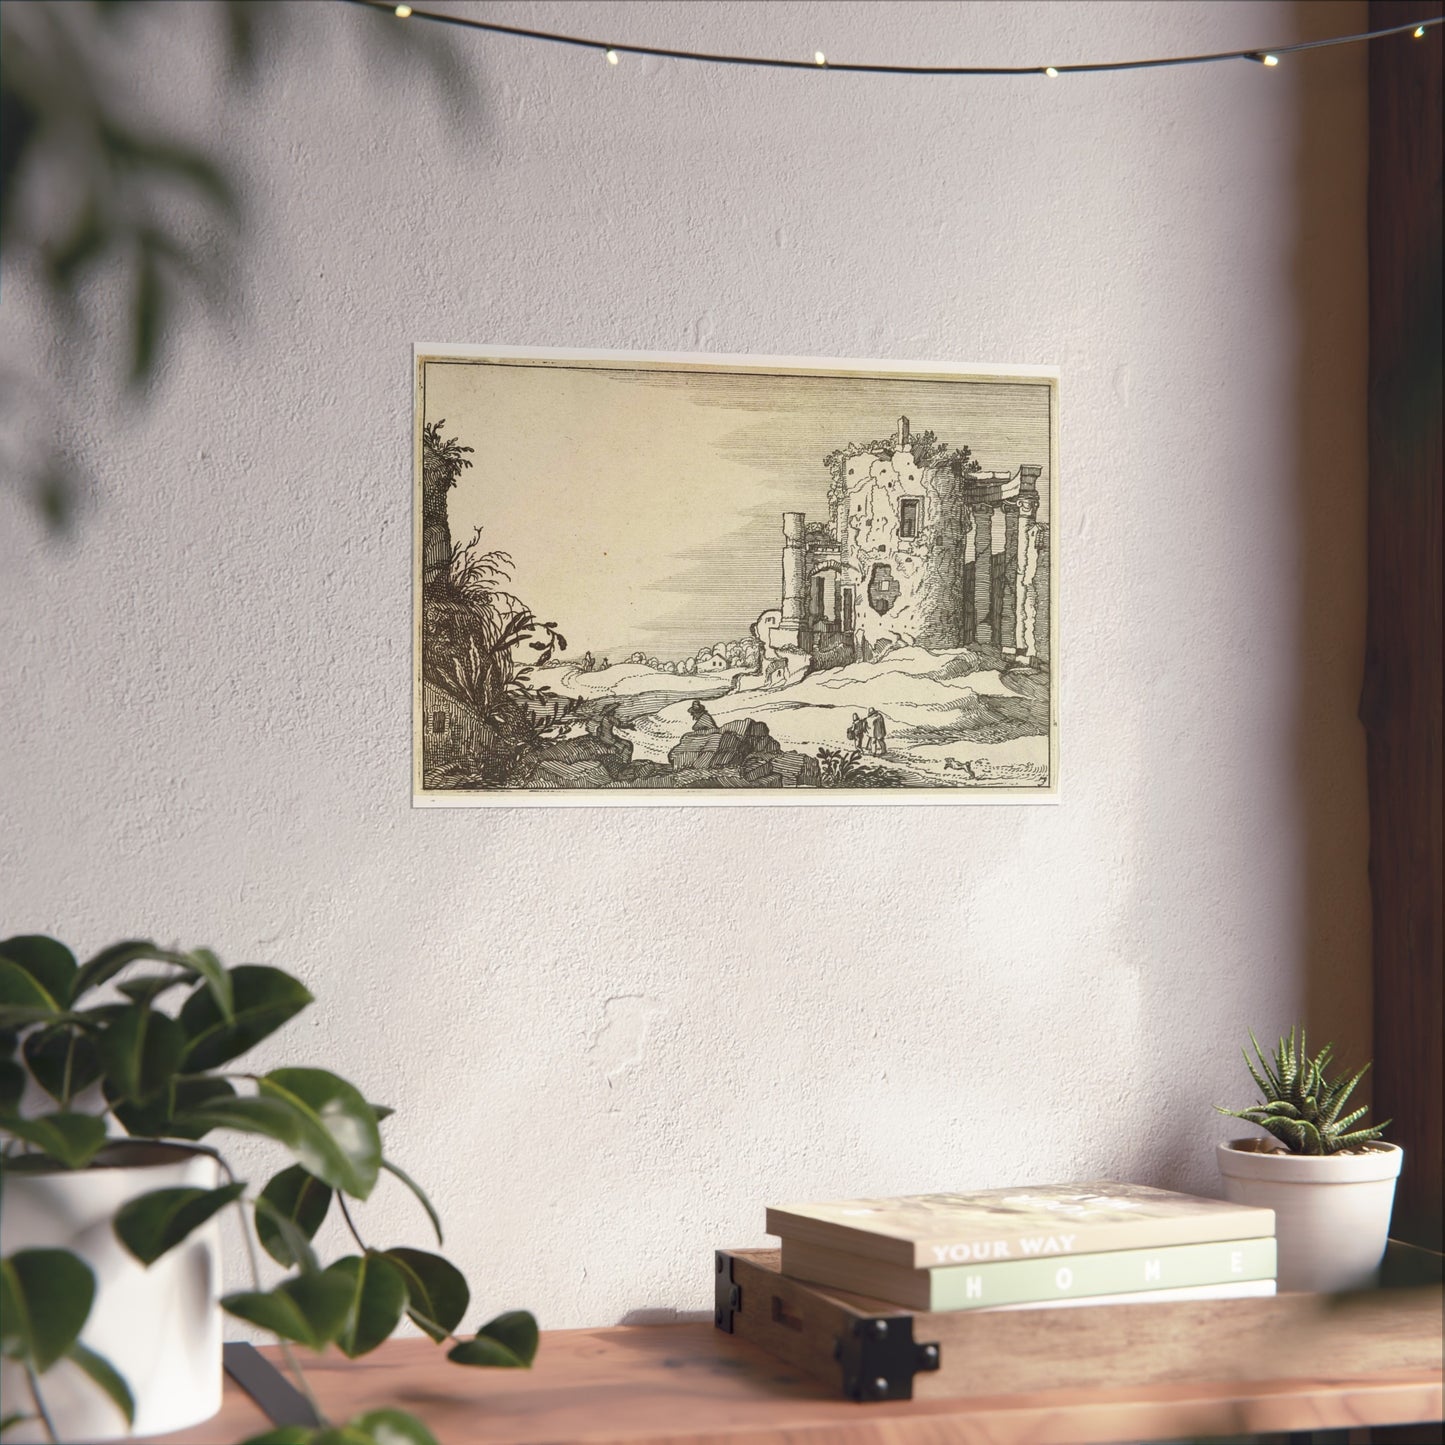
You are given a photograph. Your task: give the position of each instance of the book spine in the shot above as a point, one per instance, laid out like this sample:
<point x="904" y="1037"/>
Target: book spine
<point x="1248" y="1289"/>
<point x="1117" y="1272"/>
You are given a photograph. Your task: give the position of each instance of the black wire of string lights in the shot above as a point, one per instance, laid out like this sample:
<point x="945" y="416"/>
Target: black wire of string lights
<point x="614" y="50"/>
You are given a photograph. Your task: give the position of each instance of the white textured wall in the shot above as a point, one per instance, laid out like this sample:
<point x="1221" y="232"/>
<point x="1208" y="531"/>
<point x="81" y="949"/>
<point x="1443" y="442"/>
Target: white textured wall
<point x="613" y="1036"/>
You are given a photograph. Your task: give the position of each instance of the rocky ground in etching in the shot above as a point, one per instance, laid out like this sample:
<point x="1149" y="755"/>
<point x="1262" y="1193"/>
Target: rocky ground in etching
<point x="956" y="718"/>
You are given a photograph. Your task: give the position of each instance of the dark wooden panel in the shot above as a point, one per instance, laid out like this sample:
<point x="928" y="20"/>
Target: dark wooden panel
<point x="1400" y="704"/>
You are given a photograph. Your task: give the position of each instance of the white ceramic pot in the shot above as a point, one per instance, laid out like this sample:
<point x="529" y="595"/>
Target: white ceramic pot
<point x="1331" y="1211"/>
<point x="160" y="1327"/>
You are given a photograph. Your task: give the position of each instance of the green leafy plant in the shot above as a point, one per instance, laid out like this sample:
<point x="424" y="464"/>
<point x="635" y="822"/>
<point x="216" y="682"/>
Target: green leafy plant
<point x="1301" y="1107"/>
<point x="172" y="1075"/>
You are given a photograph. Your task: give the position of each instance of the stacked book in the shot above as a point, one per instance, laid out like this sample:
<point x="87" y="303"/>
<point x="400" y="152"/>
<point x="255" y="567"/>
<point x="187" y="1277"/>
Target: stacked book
<point x="1031" y="1247"/>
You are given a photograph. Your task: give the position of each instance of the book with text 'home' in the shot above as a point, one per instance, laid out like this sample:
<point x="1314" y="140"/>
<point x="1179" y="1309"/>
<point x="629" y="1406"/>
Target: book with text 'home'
<point x="1245" y="1289"/>
<point x="1034" y="1281"/>
<point x="926" y="1231"/>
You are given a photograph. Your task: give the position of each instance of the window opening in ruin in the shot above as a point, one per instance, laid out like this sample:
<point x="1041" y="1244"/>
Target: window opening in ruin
<point x="818" y="596"/>
<point x="439" y="721"/>
<point x="883" y="588"/>
<point x="847" y="610"/>
<point x="910" y="512"/>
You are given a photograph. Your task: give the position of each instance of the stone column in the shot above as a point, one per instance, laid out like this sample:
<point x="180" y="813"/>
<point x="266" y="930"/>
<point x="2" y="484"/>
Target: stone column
<point x="986" y="619"/>
<point x="794" y="628"/>
<point x="1026" y="582"/>
<point x="1008" y="622"/>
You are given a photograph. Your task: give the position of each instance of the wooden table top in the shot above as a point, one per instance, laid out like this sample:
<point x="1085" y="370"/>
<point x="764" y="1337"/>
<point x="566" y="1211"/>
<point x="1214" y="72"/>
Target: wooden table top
<point x="694" y="1385"/>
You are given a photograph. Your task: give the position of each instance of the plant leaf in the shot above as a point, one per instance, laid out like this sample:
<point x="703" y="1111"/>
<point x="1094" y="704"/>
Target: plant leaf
<point x="437" y="1293"/>
<point x="378" y="1296"/>
<point x="296" y="1196"/>
<point x="156" y="1118"/>
<point x="73" y="1139"/>
<point x="340" y="1143"/>
<point x="109" y="962"/>
<point x="187" y="1094"/>
<point x="507" y="1342"/>
<point x="296" y="1243"/>
<point x="209" y="967"/>
<point x="280" y="1115"/>
<point x="148" y="989"/>
<point x="46" y="1053"/>
<point x="1361" y="1136"/>
<point x="104" y="1374"/>
<point x="151" y="1224"/>
<point x="416" y="1189"/>
<point x="141" y="1051"/>
<point x="269" y="1117"/>
<point x="23" y="999"/>
<point x="45" y="1299"/>
<point x="264" y="998"/>
<point x="11" y="1421"/>
<point x="392" y="1427"/>
<point x="284" y="1435"/>
<point x="310" y="1310"/>
<point x="12" y="1086"/>
<point x="51" y="964"/>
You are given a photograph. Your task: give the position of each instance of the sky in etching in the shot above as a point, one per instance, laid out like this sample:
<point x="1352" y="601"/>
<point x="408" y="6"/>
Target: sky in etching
<point x="643" y="509"/>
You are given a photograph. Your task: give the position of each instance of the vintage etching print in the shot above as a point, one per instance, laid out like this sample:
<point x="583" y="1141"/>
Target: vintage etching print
<point x="645" y="579"/>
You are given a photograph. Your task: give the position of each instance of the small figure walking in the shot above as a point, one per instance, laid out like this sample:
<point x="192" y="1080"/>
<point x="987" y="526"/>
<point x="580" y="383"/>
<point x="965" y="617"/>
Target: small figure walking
<point x="857" y="732"/>
<point x="878" y="731"/>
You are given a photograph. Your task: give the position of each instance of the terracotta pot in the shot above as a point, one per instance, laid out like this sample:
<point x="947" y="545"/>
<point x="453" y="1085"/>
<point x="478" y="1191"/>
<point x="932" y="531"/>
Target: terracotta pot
<point x="1331" y="1211"/>
<point x="160" y="1327"/>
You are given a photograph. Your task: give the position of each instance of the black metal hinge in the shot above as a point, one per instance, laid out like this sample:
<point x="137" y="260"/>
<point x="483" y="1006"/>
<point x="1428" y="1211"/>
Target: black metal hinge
<point x="880" y="1357"/>
<point x="727" y="1296"/>
<point x="280" y="1401"/>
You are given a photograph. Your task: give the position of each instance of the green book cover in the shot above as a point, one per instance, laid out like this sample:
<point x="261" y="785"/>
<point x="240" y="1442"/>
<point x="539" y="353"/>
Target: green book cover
<point x="1032" y="1281"/>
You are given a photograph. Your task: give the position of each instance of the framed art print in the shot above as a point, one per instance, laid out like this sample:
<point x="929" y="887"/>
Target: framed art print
<point x="680" y="580"/>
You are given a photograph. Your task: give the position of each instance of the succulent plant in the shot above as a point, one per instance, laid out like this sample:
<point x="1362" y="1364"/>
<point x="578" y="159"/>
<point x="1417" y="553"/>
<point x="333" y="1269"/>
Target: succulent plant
<point x="1301" y="1107"/>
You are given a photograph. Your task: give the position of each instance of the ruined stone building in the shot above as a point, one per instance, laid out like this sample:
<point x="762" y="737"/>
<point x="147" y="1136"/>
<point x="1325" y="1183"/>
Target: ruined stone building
<point x="933" y="556"/>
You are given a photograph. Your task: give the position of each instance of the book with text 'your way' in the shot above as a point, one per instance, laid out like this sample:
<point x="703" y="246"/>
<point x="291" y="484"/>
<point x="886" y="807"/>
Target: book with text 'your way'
<point x="927" y="1231"/>
<point x="1122" y="1272"/>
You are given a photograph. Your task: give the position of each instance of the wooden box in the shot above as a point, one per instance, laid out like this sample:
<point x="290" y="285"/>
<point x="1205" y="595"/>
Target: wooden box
<point x="871" y="1350"/>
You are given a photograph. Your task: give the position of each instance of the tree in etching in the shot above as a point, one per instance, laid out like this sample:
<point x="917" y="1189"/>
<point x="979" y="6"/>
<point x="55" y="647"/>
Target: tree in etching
<point x="477" y="634"/>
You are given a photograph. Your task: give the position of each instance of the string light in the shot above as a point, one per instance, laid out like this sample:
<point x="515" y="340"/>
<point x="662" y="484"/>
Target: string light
<point x="1259" y="55"/>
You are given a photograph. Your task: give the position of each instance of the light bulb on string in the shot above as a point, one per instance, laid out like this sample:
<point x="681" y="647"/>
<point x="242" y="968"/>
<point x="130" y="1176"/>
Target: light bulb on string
<point x="1418" y="32"/>
<point x="402" y="11"/>
<point x="1051" y="72"/>
<point x="612" y="57"/>
<point x="819" y="58"/>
